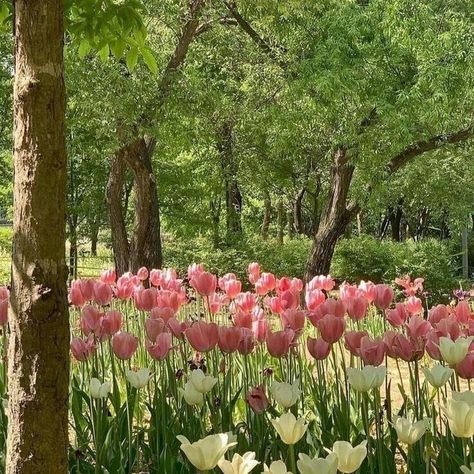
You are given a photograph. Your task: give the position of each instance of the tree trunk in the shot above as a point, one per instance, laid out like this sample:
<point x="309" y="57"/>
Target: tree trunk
<point x="72" y="221"/>
<point x="38" y="352"/>
<point x="336" y="217"/>
<point x="291" y="223"/>
<point x="280" y="222"/>
<point x="312" y="227"/>
<point x="120" y="245"/>
<point x="395" y="222"/>
<point x="215" y="207"/>
<point x="233" y="197"/>
<point x="267" y="215"/>
<point x="298" y="223"/>
<point x="145" y="245"/>
<point x="94" y="238"/>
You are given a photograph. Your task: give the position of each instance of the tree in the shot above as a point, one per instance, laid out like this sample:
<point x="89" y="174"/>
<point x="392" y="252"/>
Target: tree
<point x="39" y="340"/>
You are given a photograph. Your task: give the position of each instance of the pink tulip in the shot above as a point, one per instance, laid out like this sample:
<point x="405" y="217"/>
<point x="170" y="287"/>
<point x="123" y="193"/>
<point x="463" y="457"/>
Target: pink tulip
<point x="352" y="341"/>
<point x="243" y="320"/>
<point x="283" y="284"/>
<point x="368" y="290"/>
<point x="247" y="341"/>
<point x="257" y="399"/>
<point x="289" y="300"/>
<point x="437" y="313"/>
<point x="178" y="328"/>
<point x="274" y="303"/>
<point x="161" y="346"/>
<point x="246" y="302"/>
<point x="202" y="336"/>
<point x="102" y="293"/>
<point x="331" y="328"/>
<point x="432" y="345"/>
<point x="76" y="298"/>
<point x="228" y="338"/>
<point x="265" y="283"/>
<point x="254" y="272"/>
<point x="410" y="288"/>
<point x="293" y="319"/>
<point x="322" y="282"/>
<point x="314" y="298"/>
<point x="90" y="320"/>
<point x="4" y="293"/>
<point x="124" y="288"/>
<point x="162" y="313"/>
<point x="383" y="296"/>
<point x="356" y="307"/>
<point x="396" y="316"/>
<point x="465" y="368"/>
<point x="216" y="301"/>
<point x="330" y="306"/>
<point x="154" y="327"/>
<point x="81" y="350"/>
<point x="414" y="305"/>
<point x="407" y="349"/>
<point x="108" y="277"/>
<point x="168" y="299"/>
<point x="448" y="327"/>
<point x="124" y="345"/>
<point x="347" y="291"/>
<point x="463" y="312"/>
<point x="388" y="339"/>
<point x="232" y="288"/>
<point x="318" y="348"/>
<point x="260" y="329"/>
<point x="145" y="299"/>
<point x="279" y="342"/>
<point x="372" y="351"/>
<point x="111" y="323"/>
<point x="3" y="312"/>
<point x="194" y="270"/>
<point x="142" y="273"/>
<point x="87" y="288"/>
<point x="418" y="327"/>
<point x="204" y="283"/>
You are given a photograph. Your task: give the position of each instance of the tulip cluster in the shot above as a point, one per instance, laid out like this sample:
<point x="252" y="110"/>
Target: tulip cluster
<point x="213" y="373"/>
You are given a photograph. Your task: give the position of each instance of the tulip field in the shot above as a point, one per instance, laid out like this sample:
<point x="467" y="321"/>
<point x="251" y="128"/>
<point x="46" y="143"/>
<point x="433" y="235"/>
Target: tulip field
<point x="208" y="374"/>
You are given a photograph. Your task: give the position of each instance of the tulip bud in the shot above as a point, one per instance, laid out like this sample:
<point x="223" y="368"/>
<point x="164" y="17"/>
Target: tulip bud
<point x="99" y="390"/>
<point x="290" y="429"/>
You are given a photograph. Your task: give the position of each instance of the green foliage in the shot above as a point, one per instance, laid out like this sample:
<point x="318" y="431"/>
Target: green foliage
<point x="368" y="258"/>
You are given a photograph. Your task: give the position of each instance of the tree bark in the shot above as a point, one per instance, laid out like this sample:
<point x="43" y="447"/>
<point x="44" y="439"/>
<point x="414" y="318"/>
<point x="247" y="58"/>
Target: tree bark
<point x="298" y="223"/>
<point x="215" y="208"/>
<point x="38" y="352"/>
<point x="233" y="196"/>
<point x="267" y="215"/>
<point x="291" y="223"/>
<point x="336" y="217"/>
<point x="72" y="221"/>
<point x="280" y="222"/>
<point x="120" y="244"/>
<point x="145" y="245"/>
<point x="94" y="238"/>
<point x="395" y="222"/>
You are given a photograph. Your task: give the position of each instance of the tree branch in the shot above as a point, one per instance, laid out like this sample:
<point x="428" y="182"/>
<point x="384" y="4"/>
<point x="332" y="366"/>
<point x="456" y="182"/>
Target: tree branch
<point x="257" y="39"/>
<point x="423" y="146"/>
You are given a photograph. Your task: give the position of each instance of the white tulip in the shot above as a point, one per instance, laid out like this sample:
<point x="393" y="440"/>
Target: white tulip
<point x="438" y="375"/>
<point x="202" y="383"/>
<point x="460" y="416"/>
<point x="467" y="470"/>
<point x="285" y="394"/>
<point x="99" y="390"/>
<point x="276" y="467"/>
<point x="191" y="395"/>
<point x="138" y="378"/>
<point x="454" y="352"/>
<point x="367" y="378"/>
<point x="290" y="429"/>
<point x="408" y="432"/>
<point x="239" y="465"/>
<point x="349" y="458"/>
<point x="327" y="465"/>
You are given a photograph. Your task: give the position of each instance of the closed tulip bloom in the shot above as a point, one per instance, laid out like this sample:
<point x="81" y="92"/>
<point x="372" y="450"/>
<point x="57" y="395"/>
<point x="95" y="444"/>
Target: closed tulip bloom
<point x="331" y="328"/>
<point x="406" y="348"/>
<point x="276" y="467"/>
<point x="228" y="338"/>
<point x="367" y="378"/>
<point x="124" y="345"/>
<point x="153" y="327"/>
<point x="99" y="390"/>
<point x="257" y="399"/>
<point x="102" y="293"/>
<point x="160" y="347"/>
<point x="414" y="305"/>
<point x="202" y="336"/>
<point x="194" y="269"/>
<point x="202" y="383"/>
<point x="138" y="378"/>
<point x="81" y="350"/>
<point x="462" y="312"/>
<point x="437" y="313"/>
<point x="289" y="299"/>
<point x="318" y="348"/>
<point x="313" y="298"/>
<point x="253" y="272"/>
<point x="87" y="288"/>
<point x="293" y="319"/>
<point x="327" y="465"/>
<point x="204" y="283"/>
<point x="232" y="288"/>
<point x="178" y="328"/>
<point x="322" y="282"/>
<point x="409" y="433"/>
<point x="460" y="415"/>
<point x="454" y="352"/>
<point x="418" y="327"/>
<point x="383" y="296"/>
<point x="285" y="394"/>
<point x="239" y="464"/>
<point x="372" y="351"/>
<point x="349" y="458"/>
<point x="290" y="429"/>
<point x="265" y="283"/>
<point x="76" y="297"/>
<point x="438" y="375"/>
<point x="260" y="329"/>
<point x="465" y="368"/>
<point x="448" y="327"/>
<point x="112" y="322"/>
<point x="91" y="319"/>
<point x="207" y="452"/>
<point x="246" y="302"/>
<point x="432" y="345"/>
<point x="247" y="341"/>
<point x="142" y="273"/>
<point x="356" y="307"/>
<point x="352" y="341"/>
<point x="397" y="316"/>
<point x="278" y="343"/>
<point x="108" y="277"/>
<point x="191" y="395"/>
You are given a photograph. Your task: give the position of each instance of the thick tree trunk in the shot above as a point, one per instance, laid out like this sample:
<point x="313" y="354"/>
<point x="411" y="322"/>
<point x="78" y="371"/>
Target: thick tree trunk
<point x="395" y="222"/>
<point x="267" y="215"/>
<point x="233" y="197"/>
<point x="337" y="216"/>
<point x="38" y="353"/>
<point x="120" y="244"/>
<point x="298" y="223"/>
<point x="313" y="225"/>
<point x="94" y="238"/>
<point x="145" y="245"/>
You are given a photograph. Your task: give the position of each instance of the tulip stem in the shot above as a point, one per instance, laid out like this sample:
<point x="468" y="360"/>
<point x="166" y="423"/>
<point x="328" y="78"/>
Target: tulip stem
<point x="291" y="452"/>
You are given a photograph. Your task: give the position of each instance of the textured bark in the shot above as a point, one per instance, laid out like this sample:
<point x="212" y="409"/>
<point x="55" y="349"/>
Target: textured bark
<point x="145" y="245"/>
<point x="39" y="340"/>
<point x="118" y="228"/>
<point x="267" y="215"/>
<point x="291" y="223"/>
<point x="297" y="218"/>
<point x="233" y="197"/>
<point x="280" y="222"/>
<point x="336" y="217"/>
<point x="395" y="222"/>
<point x="94" y="238"/>
<point x="72" y="224"/>
<point x="215" y="208"/>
